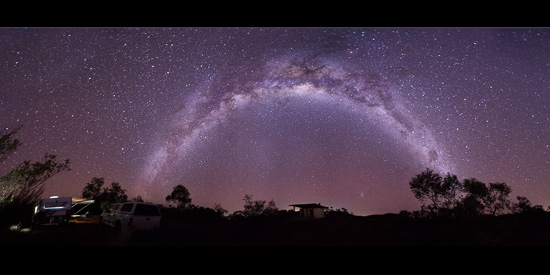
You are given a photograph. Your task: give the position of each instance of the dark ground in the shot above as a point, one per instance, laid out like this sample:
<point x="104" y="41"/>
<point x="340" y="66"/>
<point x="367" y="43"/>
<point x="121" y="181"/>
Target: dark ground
<point x="290" y="230"/>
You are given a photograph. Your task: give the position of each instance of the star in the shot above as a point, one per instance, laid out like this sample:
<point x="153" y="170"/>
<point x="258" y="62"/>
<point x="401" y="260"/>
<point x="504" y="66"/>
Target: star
<point x="295" y="114"/>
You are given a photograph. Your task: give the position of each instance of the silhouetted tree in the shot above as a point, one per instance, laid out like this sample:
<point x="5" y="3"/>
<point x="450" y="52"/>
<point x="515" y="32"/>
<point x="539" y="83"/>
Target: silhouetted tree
<point x="138" y="198"/>
<point x="179" y="196"/>
<point x="425" y="187"/>
<point x="338" y="212"/>
<point x="480" y="198"/>
<point x="25" y="182"/>
<point x="450" y="191"/>
<point x="429" y="186"/>
<point x="8" y="144"/>
<point x="218" y="208"/>
<point x="257" y="207"/>
<point x="23" y="186"/>
<point x="497" y="198"/>
<point x="449" y="196"/>
<point x="271" y="208"/>
<point x="106" y="197"/>
<point x="253" y="208"/>
<point x="92" y="189"/>
<point x="523" y="206"/>
<point x="476" y="195"/>
<point x="113" y="194"/>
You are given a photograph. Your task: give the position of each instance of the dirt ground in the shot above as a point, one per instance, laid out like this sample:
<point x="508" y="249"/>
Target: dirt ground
<point x="83" y="232"/>
<point x="296" y="231"/>
<point x="289" y="231"/>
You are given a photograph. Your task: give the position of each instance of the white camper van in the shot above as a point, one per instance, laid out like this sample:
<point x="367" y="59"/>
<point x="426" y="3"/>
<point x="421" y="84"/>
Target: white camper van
<point x="57" y="210"/>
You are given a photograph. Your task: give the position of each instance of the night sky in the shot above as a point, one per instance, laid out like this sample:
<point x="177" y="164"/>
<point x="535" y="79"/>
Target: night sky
<point x="344" y="117"/>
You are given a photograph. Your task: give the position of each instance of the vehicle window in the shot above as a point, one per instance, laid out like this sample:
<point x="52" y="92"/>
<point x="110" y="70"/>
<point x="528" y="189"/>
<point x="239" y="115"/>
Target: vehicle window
<point x="146" y="210"/>
<point x="127" y="207"/>
<point x="116" y="207"/>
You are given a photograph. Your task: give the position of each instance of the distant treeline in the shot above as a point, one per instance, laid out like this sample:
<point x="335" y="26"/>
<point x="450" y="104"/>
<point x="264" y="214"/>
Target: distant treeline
<point x="446" y="196"/>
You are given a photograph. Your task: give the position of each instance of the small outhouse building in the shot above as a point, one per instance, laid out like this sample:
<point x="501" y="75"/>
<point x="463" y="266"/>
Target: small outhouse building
<point x="310" y="210"/>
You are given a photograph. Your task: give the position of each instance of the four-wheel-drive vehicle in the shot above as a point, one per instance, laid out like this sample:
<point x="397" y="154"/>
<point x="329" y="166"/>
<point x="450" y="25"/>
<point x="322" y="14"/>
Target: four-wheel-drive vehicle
<point x="132" y="216"/>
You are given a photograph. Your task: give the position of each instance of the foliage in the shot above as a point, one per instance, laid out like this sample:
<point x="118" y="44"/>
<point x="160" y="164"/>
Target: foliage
<point x="114" y="194"/>
<point x="450" y="190"/>
<point x="339" y="211"/>
<point x="23" y="186"/>
<point x="138" y="198"/>
<point x="185" y="211"/>
<point x="476" y="193"/>
<point x="8" y="144"/>
<point x="92" y="190"/>
<point x="523" y="206"/>
<point x="497" y="200"/>
<point x="429" y="186"/>
<point x="180" y="196"/>
<point x="106" y="197"/>
<point x="219" y="209"/>
<point x="449" y="197"/>
<point x="25" y="182"/>
<point x="258" y="208"/>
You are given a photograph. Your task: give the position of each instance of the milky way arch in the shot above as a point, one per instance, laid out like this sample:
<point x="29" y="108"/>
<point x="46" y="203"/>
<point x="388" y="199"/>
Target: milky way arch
<point x="313" y="78"/>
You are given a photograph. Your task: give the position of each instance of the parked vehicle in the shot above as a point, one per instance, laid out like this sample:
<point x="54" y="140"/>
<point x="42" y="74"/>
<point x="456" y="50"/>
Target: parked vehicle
<point x="53" y="210"/>
<point x="132" y="216"/>
<point x="59" y="210"/>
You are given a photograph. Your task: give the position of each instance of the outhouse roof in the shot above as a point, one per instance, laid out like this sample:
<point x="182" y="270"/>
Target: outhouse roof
<point x="309" y="205"/>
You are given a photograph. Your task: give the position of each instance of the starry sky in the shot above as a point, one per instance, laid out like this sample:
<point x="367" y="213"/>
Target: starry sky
<point x="344" y="117"/>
